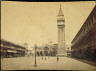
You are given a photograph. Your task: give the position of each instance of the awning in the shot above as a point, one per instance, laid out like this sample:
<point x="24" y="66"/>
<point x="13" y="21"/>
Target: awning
<point x="11" y="51"/>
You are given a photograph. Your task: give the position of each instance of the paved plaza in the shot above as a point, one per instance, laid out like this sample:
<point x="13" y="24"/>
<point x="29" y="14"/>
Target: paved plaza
<point x="27" y="63"/>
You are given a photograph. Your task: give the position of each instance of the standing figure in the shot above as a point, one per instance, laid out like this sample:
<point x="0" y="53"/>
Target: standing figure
<point x="42" y="57"/>
<point x="57" y="59"/>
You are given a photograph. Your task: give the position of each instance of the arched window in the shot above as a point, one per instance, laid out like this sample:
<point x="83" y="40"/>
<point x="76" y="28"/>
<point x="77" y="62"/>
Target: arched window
<point x="89" y="25"/>
<point x="91" y="22"/>
<point x="94" y="19"/>
<point x="84" y="30"/>
<point x="86" y="27"/>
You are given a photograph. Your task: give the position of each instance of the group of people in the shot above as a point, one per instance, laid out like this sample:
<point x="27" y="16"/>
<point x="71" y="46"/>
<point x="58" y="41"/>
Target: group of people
<point x="57" y="58"/>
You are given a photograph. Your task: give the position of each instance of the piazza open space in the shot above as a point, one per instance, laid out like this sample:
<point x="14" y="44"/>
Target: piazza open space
<point x="50" y="63"/>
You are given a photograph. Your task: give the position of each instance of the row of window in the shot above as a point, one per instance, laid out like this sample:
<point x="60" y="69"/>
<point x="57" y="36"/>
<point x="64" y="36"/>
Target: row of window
<point x="85" y="29"/>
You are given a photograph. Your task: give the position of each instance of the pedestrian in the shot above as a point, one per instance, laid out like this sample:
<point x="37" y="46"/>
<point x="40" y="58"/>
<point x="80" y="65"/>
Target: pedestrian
<point x="57" y="59"/>
<point x="42" y="57"/>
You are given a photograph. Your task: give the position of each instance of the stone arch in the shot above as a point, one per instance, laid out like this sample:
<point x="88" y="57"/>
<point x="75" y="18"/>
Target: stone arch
<point x="38" y="54"/>
<point x="41" y="53"/>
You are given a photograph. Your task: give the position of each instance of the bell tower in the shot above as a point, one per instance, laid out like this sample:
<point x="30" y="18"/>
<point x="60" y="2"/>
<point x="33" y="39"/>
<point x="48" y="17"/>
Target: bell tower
<point x="61" y="32"/>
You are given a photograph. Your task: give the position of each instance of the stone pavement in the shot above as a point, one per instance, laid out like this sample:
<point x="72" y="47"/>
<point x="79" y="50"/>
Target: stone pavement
<point x="27" y="63"/>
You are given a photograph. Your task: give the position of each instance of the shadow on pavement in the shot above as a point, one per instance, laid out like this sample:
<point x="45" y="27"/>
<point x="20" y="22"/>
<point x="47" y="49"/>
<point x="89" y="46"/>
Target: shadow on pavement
<point x="88" y="61"/>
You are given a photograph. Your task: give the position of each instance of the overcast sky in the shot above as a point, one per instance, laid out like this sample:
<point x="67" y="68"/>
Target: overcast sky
<point x="36" y="22"/>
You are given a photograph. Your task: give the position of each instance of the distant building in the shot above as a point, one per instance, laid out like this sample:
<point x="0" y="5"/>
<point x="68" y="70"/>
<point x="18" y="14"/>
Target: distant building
<point x="47" y="50"/>
<point x="9" y="49"/>
<point x="84" y="43"/>
<point x="55" y="49"/>
<point x="40" y="51"/>
<point x="25" y="45"/>
<point x="29" y="53"/>
<point x="68" y="51"/>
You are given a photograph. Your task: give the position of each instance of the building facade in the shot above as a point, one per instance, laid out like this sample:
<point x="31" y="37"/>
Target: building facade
<point x="84" y="43"/>
<point x="47" y="50"/>
<point x="61" y="32"/>
<point x="9" y="49"/>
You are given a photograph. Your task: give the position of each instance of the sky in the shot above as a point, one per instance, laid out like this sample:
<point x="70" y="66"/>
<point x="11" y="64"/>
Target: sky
<point x="36" y="22"/>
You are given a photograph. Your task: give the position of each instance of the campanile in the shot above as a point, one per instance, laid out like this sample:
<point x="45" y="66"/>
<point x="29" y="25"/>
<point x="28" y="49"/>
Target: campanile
<point x="61" y="32"/>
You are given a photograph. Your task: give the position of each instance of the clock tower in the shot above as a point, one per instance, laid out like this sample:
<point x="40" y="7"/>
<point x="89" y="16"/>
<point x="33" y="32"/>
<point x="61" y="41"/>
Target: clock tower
<point x="61" y="32"/>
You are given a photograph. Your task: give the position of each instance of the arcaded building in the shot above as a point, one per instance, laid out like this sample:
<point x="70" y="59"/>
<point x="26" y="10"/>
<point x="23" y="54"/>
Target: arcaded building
<point x="9" y="49"/>
<point x="84" y="43"/>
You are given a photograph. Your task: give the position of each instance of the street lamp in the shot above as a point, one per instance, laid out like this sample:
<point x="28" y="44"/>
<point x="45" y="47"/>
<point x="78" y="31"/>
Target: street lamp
<point x="35" y="65"/>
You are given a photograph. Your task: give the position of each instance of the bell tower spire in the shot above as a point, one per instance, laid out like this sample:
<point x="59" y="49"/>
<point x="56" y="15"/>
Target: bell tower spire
<point x="60" y="16"/>
<point x="60" y="12"/>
